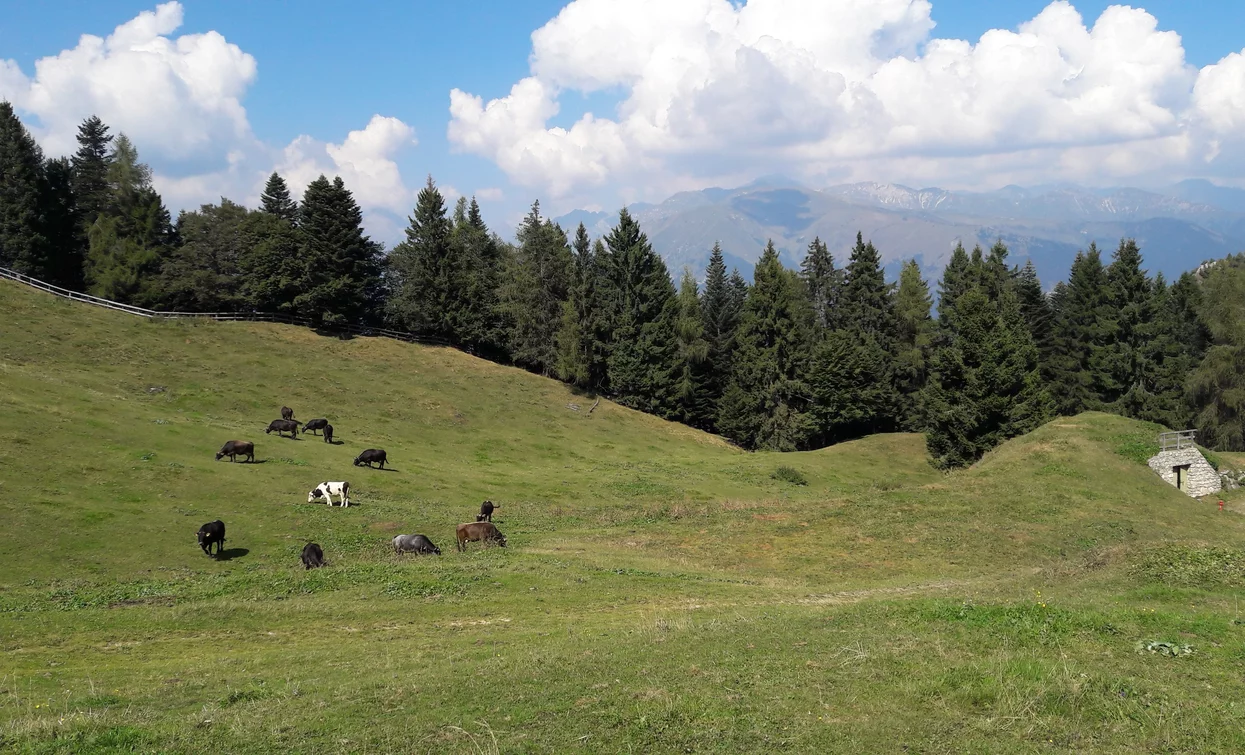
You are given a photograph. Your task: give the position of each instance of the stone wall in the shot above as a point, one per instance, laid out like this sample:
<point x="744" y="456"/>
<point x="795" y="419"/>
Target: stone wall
<point x="1199" y="479"/>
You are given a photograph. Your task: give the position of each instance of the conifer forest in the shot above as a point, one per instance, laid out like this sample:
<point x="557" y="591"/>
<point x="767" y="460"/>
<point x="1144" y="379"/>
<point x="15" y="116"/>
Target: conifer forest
<point x="791" y="360"/>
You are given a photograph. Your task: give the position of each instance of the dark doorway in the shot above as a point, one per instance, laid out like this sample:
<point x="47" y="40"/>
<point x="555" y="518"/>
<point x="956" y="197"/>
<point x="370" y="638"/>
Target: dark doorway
<point x="1182" y="476"/>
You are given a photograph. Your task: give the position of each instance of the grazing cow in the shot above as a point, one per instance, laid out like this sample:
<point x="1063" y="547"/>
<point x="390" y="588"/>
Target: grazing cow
<point x="313" y="556"/>
<point x="283" y="426"/>
<point x="237" y="448"/>
<point x="417" y="544"/>
<point x="327" y="490"/>
<point x="314" y="424"/>
<point x="479" y="532"/>
<point x="371" y="456"/>
<point x="287" y="413"/>
<point x="212" y="532"/>
<point x="486" y="512"/>
<point x="328" y="433"/>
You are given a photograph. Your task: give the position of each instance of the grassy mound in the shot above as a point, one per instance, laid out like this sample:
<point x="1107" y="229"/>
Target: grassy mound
<point x="662" y="591"/>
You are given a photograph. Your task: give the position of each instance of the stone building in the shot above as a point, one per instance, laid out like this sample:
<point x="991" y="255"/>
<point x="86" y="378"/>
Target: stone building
<point x="1182" y="465"/>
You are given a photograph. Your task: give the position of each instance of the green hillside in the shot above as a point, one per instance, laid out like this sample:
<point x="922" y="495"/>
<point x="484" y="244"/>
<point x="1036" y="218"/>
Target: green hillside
<point x="661" y="592"/>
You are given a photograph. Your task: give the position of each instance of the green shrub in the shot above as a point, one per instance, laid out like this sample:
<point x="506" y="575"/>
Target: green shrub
<point x="788" y="474"/>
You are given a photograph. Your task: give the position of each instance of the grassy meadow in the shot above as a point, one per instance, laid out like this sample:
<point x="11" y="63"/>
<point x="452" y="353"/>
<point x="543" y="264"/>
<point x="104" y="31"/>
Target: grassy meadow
<point x="662" y="591"/>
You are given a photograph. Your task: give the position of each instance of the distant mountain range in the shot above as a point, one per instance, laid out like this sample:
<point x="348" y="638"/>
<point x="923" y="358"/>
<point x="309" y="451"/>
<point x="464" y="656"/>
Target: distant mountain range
<point x="1177" y="228"/>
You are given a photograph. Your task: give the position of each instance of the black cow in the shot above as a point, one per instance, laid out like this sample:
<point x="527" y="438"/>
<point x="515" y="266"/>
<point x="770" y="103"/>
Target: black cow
<point x="414" y="544"/>
<point x="281" y="426"/>
<point x="237" y="448"/>
<point x="212" y="532"/>
<point x="315" y="424"/>
<point x="486" y="512"/>
<point x="287" y="413"/>
<point x="313" y="556"/>
<point x="328" y="433"/>
<point x="370" y="456"/>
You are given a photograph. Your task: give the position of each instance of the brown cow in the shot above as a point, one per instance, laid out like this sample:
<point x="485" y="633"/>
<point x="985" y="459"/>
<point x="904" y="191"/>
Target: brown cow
<point x="479" y="532"/>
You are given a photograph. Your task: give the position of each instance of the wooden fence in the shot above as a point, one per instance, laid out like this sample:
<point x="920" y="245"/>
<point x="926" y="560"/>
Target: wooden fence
<point x="349" y="329"/>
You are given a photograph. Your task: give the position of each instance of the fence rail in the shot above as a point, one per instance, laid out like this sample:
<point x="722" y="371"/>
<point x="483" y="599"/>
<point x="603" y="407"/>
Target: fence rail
<point x="1177" y="441"/>
<point x="285" y="319"/>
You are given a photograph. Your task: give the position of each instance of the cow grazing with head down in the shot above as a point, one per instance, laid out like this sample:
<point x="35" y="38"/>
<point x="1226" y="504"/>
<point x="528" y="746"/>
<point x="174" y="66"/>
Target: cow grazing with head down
<point x="486" y="511"/>
<point x="237" y="448"/>
<point x="479" y="532"/>
<point x="417" y="544"/>
<point x="313" y="425"/>
<point x="212" y="532"/>
<point x="371" y="456"/>
<point x="313" y="556"/>
<point x="281" y="426"/>
<point x="327" y="490"/>
<point x="287" y="413"/>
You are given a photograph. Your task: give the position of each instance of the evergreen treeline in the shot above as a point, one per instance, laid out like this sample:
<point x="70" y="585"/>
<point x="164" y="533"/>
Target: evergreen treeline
<point x="798" y="359"/>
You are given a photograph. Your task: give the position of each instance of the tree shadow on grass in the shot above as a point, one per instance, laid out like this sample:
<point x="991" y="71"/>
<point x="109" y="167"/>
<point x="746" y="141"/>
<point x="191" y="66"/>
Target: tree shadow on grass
<point x="230" y="554"/>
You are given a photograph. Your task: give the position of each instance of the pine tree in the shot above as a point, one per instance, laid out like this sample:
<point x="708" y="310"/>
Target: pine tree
<point x="1124" y="380"/>
<point x="1217" y="386"/>
<point x="721" y="308"/>
<point x="343" y="268"/>
<point x="693" y="404"/>
<point x="91" y="187"/>
<point x="429" y="270"/>
<point x="1080" y="334"/>
<point x="1037" y="310"/>
<point x="766" y="404"/>
<point x="272" y="270"/>
<point x="23" y="246"/>
<point x="853" y="372"/>
<point x="823" y="282"/>
<point x="985" y="384"/>
<point x="584" y="337"/>
<point x="276" y="200"/>
<point x="203" y="273"/>
<point x="537" y="283"/>
<point x="642" y="359"/>
<point x="61" y="226"/>
<point x="956" y="279"/>
<point x="480" y="328"/>
<point x="915" y="339"/>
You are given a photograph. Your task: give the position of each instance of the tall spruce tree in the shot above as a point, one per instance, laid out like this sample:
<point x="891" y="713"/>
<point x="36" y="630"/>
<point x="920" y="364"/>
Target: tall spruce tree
<point x="1125" y="378"/>
<point x="584" y="337"/>
<point x="1036" y="309"/>
<point x="721" y="308"/>
<point x="276" y="200"/>
<point x="956" y="279"/>
<point x="766" y="404"/>
<point x="343" y="267"/>
<point x="985" y="385"/>
<point x="693" y="402"/>
<point x="1080" y="334"/>
<point x="272" y="270"/>
<point x="23" y="246"/>
<point x="90" y="163"/>
<point x="915" y="339"/>
<point x="1217" y="386"/>
<point x="823" y="282"/>
<point x="203" y="273"/>
<point x="429" y="270"/>
<point x="642" y="361"/>
<point x="853" y="371"/>
<point x="61" y="226"/>
<point x="537" y="282"/>
<point x="480" y="327"/>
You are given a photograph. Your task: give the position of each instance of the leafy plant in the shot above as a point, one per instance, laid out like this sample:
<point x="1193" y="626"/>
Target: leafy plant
<point x="791" y="475"/>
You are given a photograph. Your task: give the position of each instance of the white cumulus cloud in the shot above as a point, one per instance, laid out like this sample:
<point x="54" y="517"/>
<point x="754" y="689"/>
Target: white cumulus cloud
<point x="850" y="89"/>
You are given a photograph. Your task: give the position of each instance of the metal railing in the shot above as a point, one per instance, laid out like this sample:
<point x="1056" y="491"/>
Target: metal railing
<point x="285" y="319"/>
<point x="1177" y="441"/>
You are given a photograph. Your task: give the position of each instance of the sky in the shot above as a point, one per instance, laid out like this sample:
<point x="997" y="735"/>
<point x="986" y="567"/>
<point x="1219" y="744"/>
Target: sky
<point x="597" y="103"/>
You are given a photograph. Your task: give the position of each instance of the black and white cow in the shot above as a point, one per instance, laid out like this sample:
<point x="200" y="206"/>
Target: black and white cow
<point x="326" y="491"/>
<point x="486" y="511"/>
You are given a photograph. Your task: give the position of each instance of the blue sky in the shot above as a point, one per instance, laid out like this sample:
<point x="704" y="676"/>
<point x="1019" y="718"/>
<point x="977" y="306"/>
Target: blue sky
<point x="323" y="70"/>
